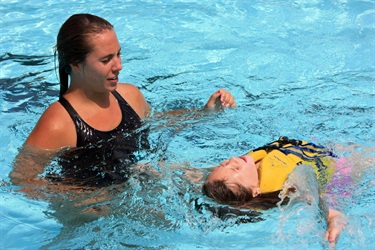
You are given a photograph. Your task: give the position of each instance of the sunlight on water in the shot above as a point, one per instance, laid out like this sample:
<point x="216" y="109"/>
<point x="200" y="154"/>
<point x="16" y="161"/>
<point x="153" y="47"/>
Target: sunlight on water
<point x="302" y="69"/>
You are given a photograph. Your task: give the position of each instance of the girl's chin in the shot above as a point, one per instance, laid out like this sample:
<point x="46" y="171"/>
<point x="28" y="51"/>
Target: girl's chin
<point x="248" y="159"/>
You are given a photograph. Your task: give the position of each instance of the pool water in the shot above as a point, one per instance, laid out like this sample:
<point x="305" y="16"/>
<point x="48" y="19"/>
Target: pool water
<point x="303" y="69"/>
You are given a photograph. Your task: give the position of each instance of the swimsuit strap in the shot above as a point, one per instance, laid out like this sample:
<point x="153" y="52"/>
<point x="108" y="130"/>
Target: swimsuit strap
<point x="128" y="113"/>
<point x="78" y="122"/>
<point x="89" y="135"/>
<point x="72" y="112"/>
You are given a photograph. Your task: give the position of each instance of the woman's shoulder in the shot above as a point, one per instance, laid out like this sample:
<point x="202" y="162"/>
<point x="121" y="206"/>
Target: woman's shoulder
<point x="54" y="129"/>
<point x="133" y="95"/>
<point x="55" y="113"/>
<point x="127" y="88"/>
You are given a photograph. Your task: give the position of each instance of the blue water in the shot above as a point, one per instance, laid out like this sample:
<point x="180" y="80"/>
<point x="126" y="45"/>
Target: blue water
<point x="304" y="69"/>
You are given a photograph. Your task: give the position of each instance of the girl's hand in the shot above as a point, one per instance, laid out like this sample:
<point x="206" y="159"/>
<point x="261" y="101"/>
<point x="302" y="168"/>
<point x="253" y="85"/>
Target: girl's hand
<point x="337" y="222"/>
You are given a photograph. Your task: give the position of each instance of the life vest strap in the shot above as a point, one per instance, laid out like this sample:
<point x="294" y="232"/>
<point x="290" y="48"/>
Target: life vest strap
<point x="297" y="147"/>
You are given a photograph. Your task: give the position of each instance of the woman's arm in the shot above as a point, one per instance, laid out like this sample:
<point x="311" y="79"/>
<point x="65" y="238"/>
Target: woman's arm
<point x="220" y="98"/>
<point x="27" y="167"/>
<point x="29" y="163"/>
<point x="54" y="130"/>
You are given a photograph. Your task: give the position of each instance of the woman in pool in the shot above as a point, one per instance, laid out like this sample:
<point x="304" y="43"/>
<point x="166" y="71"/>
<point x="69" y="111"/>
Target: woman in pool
<point x="262" y="172"/>
<point x="95" y="112"/>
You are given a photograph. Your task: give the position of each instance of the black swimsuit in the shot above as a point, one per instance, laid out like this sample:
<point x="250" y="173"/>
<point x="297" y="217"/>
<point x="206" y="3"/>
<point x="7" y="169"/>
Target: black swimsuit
<point x="101" y="158"/>
<point x="88" y="135"/>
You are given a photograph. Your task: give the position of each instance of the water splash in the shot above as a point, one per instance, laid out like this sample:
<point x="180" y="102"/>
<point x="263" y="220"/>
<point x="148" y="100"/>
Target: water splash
<point x="303" y="218"/>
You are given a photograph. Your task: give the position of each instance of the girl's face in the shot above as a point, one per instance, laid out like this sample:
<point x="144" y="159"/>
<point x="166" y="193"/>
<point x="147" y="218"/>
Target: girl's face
<point x="102" y="66"/>
<point x="238" y="170"/>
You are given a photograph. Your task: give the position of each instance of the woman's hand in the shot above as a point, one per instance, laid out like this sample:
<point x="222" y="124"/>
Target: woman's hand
<point x="219" y="99"/>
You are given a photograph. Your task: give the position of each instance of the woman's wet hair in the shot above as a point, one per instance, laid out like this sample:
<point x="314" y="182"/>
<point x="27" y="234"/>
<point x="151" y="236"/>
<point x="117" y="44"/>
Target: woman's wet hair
<point x="73" y="45"/>
<point x="219" y="191"/>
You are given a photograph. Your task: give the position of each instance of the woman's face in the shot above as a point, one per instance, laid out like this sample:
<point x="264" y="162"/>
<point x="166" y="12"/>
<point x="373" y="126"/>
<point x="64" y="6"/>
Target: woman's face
<point x="102" y="66"/>
<point x="238" y="170"/>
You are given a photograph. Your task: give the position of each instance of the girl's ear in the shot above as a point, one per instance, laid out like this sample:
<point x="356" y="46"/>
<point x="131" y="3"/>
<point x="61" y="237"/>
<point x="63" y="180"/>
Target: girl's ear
<point x="256" y="192"/>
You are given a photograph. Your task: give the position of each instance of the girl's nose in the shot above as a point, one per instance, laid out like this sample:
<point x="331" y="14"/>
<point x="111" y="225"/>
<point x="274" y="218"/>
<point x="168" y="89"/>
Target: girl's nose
<point x="233" y="159"/>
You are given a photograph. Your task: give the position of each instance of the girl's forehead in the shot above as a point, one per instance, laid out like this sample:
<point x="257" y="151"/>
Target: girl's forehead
<point x="221" y="173"/>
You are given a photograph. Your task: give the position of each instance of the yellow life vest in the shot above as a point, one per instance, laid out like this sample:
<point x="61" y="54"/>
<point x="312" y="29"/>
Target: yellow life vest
<point x="279" y="158"/>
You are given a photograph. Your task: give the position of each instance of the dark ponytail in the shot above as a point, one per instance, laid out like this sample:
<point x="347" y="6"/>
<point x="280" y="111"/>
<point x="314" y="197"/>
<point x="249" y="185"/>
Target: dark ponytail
<point x="64" y="78"/>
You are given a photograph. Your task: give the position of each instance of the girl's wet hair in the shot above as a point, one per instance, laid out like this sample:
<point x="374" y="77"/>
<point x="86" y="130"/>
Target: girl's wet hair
<point x="73" y="45"/>
<point x="219" y="191"/>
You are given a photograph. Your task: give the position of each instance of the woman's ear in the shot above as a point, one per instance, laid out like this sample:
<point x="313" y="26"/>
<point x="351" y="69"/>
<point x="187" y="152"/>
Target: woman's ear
<point x="75" y="67"/>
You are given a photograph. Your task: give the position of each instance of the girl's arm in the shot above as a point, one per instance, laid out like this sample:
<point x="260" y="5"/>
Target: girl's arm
<point x="337" y="222"/>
